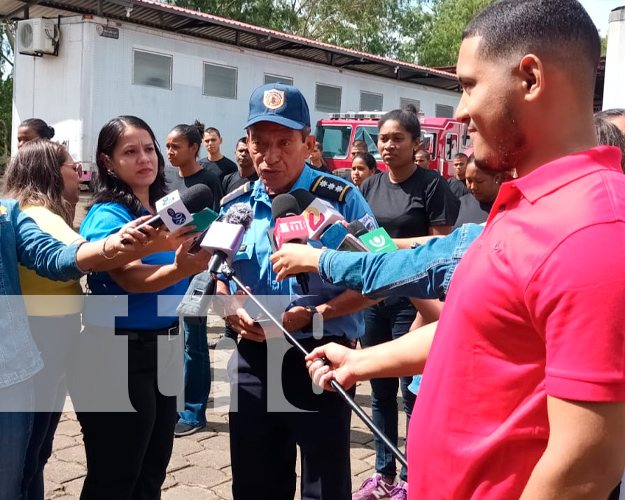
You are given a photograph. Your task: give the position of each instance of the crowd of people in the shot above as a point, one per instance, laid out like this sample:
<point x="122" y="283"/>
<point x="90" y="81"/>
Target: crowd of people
<point x="506" y="282"/>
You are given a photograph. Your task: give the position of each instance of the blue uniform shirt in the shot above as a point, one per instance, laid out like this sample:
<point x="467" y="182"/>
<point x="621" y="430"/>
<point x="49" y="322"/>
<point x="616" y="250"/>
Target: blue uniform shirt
<point x="143" y="308"/>
<point x="253" y="267"/>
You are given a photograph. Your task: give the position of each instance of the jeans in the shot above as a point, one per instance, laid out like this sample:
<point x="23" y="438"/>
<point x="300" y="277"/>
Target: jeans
<point x="384" y="322"/>
<point x="15" y="430"/>
<point x="197" y="372"/>
<point x="53" y="336"/>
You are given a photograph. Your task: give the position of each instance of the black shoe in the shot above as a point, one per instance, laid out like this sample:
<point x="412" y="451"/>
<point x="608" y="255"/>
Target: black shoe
<point x="183" y="429"/>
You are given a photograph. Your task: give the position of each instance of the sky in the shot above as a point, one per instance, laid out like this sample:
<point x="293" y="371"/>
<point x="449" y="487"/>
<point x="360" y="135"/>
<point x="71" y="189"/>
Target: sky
<point x="599" y="10"/>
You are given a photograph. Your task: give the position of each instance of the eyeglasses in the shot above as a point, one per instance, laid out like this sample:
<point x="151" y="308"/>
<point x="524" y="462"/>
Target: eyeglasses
<point x="76" y="166"/>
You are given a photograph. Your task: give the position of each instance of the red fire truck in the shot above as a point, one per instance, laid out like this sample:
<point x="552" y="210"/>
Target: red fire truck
<point x="442" y="137"/>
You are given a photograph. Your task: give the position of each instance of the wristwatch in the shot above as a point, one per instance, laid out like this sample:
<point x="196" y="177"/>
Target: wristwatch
<point x="313" y="311"/>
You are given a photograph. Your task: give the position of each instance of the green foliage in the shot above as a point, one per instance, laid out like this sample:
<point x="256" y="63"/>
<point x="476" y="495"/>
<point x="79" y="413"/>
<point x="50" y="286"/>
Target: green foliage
<point x="442" y="30"/>
<point x="604" y="45"/>
<point x="6" y="96"/>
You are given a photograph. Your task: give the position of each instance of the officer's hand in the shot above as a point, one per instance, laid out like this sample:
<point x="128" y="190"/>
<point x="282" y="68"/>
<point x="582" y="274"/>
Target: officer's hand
<point x="296" y="318"/>
<point x="242" y="323"/>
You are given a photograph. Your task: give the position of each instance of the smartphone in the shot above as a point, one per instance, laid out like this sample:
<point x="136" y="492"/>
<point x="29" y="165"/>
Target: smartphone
<point x="196" y="246"/>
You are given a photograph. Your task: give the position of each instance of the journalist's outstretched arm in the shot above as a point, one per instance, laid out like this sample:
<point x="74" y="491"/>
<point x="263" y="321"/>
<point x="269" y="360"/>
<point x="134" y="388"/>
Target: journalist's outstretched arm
<point x="424" y="272"/>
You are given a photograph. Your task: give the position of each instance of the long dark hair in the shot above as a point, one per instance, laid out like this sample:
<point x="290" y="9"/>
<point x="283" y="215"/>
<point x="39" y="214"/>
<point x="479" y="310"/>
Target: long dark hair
<point x="34" y="178"/>
<point x="108" y="188"/>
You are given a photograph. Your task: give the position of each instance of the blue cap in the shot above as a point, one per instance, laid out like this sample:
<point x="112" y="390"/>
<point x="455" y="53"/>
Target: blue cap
<point x="279" y="103"/>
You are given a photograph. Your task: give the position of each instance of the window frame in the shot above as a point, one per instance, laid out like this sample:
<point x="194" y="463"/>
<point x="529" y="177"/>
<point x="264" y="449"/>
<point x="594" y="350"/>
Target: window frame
<point x="154" y="53"/>
<point x="217" y="65"/>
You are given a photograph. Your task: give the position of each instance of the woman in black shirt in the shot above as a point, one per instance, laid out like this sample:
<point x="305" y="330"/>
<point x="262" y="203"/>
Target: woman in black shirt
<point x="407" y="201"/>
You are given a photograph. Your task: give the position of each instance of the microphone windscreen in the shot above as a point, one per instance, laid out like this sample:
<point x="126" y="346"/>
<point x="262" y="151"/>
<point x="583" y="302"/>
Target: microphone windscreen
<point x="240" y="213"/>
<point x="197" y="198"/>
<point x="284" y="205"/>
<point x="304" y="198"/>
<point x="356" y="228"/>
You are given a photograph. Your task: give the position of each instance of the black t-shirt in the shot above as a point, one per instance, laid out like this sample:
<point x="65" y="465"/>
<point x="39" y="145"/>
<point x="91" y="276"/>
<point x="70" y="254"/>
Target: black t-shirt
<point x="220" y="168"/>
<point x="472" y="210"/>
<point x="409" y="208"/>
<point x="459" y="188"/>
<point x="323" y="168"/>
<point x="234" y="180"/>
<point x="201" y="177"/>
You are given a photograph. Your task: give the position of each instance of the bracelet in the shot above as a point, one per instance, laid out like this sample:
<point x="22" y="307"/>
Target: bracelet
<point x="102" y="252"/>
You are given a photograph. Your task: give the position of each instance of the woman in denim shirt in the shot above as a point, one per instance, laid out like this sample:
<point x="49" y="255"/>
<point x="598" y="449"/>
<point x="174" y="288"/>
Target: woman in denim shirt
<point x="23" y="242"/>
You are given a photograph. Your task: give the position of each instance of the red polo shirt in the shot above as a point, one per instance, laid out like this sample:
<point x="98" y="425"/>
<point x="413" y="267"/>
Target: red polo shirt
<point x="535" y="308"/>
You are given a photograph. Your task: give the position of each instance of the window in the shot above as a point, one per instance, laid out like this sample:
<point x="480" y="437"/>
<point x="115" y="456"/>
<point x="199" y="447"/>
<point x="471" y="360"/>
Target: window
<point x="220" y="81"/>
<point x="370" y="136"/>
<point x="451" y="146"/>
<point x="370" y="101"/>
<point x="334" y="140"/>
<point x="444" y="111"/>
<point x="278" y="79"/>
<point x="429" y="142"/>
<point x="328" y="99"/>
<point x="151" y="69"/>
<point x="405" y="101"/>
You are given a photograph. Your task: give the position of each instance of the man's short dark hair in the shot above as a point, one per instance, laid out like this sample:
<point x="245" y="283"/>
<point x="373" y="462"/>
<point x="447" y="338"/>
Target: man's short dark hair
<point x="213" y="130"/>
<point x="360" y="144"/>
<point x="427" y="154"/>
<point x="242" y="140"/>
<point x="560" y="30"/>
<point x="461" y="156"/>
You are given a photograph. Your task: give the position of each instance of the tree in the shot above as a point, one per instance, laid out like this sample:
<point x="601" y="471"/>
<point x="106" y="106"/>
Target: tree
<point x="7" y="31"/>
<point x="372" y="26"/>
<point x="442" y="29"/>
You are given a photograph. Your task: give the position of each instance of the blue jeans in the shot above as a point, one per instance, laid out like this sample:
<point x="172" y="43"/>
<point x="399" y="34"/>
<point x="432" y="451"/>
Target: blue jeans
<point x="15" y="430"/>
<point x="53" y="335"/>
<point x="197" y="372"/>
<point x="384" y="322"/>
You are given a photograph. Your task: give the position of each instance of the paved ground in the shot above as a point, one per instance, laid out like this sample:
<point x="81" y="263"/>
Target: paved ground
<point x="200" y="465"/>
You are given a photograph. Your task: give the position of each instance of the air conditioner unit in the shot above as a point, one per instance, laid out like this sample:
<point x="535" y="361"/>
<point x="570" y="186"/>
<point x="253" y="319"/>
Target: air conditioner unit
<point x="36" y="37"/>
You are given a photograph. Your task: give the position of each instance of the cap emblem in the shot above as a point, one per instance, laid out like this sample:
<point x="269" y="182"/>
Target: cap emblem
<point x="273" y="99"/>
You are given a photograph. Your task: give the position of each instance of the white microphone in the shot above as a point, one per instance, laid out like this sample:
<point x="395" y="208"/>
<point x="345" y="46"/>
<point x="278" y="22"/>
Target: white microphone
<point x="318" y="214"/>
<point x="223" y="238"/>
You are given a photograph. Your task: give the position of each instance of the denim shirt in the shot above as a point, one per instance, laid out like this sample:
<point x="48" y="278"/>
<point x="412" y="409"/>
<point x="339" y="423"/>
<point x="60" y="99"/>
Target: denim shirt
<point x="253" y="267"/>
<point x="23" y="242"/>
<point x="424" y="272"/>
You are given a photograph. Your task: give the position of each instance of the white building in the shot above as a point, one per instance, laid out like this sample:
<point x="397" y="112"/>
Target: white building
<point x="169" y="65"/>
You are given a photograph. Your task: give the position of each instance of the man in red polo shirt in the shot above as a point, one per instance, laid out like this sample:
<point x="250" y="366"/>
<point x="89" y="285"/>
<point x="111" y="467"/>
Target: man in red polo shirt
<point x="524" y="389"/>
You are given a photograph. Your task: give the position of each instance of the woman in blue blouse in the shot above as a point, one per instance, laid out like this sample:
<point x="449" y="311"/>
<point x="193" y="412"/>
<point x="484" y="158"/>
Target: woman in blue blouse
<point x="128" y="451"/>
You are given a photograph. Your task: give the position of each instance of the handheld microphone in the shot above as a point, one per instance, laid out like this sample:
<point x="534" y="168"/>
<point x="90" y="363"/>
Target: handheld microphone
<point x="175" y="209"/>
<point x="290" y="227"/>
<point x="319" y="214"/>
<point x="224" y="237"/>
<point x="339" y="237"/>
<point x="378" y="241"/>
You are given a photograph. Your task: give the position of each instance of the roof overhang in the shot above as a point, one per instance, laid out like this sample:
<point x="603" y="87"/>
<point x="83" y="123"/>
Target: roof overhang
<point x="206" y="26"/>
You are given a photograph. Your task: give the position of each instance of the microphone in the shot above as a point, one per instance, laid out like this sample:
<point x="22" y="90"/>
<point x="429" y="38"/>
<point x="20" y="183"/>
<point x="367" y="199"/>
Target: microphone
<point x="290" y="228"/>
<point x="224" y="237"/>
<point x="339" y="237"/>
<point x="378" y="241"/>
<point x="175" y="209"/>
<point x="319" y="214"/>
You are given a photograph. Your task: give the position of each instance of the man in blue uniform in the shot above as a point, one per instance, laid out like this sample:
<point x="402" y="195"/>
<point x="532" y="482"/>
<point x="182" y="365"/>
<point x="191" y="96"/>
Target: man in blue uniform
<point x="263" y="437"/>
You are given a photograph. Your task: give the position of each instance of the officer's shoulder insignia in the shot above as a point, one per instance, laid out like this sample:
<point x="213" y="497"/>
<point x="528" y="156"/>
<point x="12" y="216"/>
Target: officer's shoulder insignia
<point x="330" y="188"/>
<point x="240" y="191"/>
